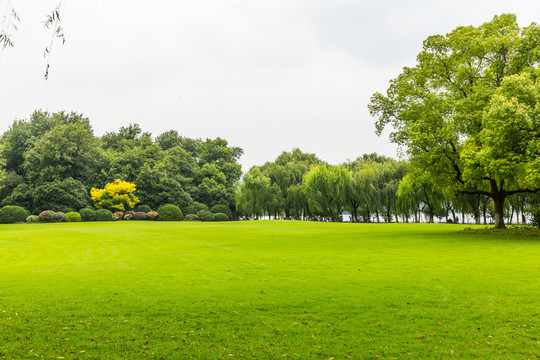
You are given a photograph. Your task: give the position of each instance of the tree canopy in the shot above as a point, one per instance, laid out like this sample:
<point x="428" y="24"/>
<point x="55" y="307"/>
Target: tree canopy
<point x="468" y="112"/>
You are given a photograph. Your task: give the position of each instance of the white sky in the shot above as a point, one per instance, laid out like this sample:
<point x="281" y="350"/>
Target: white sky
<point x="265" y="75"/>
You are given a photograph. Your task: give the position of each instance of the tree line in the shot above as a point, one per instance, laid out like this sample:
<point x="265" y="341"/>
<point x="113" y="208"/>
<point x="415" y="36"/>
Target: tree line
<point x="52" y="160"/>
<point x="372" y="188"/>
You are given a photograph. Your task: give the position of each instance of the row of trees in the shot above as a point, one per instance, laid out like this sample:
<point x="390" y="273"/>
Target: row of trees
<point x="371" y="188"/>
<point x="51" y="161"/>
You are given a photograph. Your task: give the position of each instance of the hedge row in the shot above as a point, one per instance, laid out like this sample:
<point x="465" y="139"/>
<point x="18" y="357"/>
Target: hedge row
<point x="16" y="214"/>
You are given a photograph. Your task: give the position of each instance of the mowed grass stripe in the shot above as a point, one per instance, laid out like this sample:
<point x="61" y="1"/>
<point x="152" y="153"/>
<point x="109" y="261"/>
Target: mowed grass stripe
<point x="266" y="289"/>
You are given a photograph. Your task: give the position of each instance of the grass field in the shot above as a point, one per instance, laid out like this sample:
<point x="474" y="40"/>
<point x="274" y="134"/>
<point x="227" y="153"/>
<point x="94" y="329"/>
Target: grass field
<point x="266" y="290"/>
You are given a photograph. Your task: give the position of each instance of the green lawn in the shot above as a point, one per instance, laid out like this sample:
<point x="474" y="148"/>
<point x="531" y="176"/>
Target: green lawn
<point x="266" y="290"/>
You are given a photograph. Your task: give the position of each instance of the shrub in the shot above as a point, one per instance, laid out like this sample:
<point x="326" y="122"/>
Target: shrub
<point x="128" y="217"/>
<point x="130" y="212"/>
<point x="22" y="196"/>
<point x="191" y="217"/>
<point x="32" y="219"/>
<point x="116" y="216"/>
<point x="170" y="212"/>
<point x="140" y="215"/>
<point x="220" y="208"/>
<point x="119" y="213"/>
<point x="73" y="217"/>
<point x="47" y="216"/>
<point x="88" y="214"/>
<point x="195" y="208"/>
<point x="104" y="215"/>
<point x="59" y="216"/>
<point x="152" y="215"/>
<point x="117" y="195"/>
<point x="64" y="196"/>
<point x="144" y="208"/>
<point x="221" y="217"/>
<point x="205" y="215"/>
<point x="12" y="214"/>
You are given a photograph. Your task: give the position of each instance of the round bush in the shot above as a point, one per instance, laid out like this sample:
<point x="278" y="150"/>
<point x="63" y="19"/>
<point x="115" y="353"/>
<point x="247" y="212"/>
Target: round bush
<point x="130" y="212"/>
<point x="32" y="219"/>
<point x="205" y="215"/>
<point x="170" y="212"/>
<point x="59" y="216"/>
<point x="152" y="215"/>
<point x="220" y="208"/>
<point x="195" y="208"/>
<point x="73" y="217"/>
<point x="119" y="213"/>
<point x="104" y="215"/>
<point x="47" y="216"/>
<point x="88" y="214"/>
<point x="128" y="217"/>
<point x="116" y="216"/>
<point x="191" y="217"/>
<point x="221" y="217"/>
<point x="12" y="214"/>
<point x="144" y="208"/>
<point x="140" y="215"/>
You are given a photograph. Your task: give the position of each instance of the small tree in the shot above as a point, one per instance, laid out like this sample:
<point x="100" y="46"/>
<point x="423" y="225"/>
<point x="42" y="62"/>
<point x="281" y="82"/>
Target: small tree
<point x="116" y="196"/>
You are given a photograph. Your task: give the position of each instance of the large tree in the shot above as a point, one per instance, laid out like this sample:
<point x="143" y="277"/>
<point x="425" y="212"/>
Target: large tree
<point x="467" y="113"/>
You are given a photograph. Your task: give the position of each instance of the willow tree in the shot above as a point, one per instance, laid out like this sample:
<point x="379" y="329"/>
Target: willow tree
<point x="326" y="188"/>
<point x="468" y="112"/>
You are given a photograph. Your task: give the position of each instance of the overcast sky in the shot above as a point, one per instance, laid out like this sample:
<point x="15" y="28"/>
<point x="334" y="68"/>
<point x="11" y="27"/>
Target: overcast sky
<point x="267" y="76"/>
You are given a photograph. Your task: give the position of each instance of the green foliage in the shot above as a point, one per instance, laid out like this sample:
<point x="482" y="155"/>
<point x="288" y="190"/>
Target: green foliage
<point x="253" y="193"/>
<point x="128" y="217"/>
<point x="11" y="214"/>
<point x="67" y="150"/>
<point x="88" y="214"/>
<point x="467" y="113"/>
<point x="220" y="208"/>
<point x="73" y="217"/>
<point x="326" y="189"/>
<point x="116" y="216"/>
<point x="50" y="148"/>
<point x="205" y="215"/>
<point x="536" y="218"/>
<point x="66" y="196"/>
<point x="144" y="208"/>
<point x="22" y="196"/>
<point x="59" y="216"/>
<point x="32" y="219"/>
<point x="194" y="208"/>
<point x="103" y="215"/>
<point x="47" y="216"/>
<point x="191" y="217"/>
<point x="220" y="217"/>
<point x="170" y="212"/>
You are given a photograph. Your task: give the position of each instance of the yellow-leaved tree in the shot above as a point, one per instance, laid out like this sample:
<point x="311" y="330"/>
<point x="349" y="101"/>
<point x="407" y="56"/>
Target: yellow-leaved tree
<point x="116" y="196"/>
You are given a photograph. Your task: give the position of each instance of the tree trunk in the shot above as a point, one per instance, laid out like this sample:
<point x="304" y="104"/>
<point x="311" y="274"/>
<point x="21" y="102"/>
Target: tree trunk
<point x="499" y="211"/>
<point x="477" y="218"/>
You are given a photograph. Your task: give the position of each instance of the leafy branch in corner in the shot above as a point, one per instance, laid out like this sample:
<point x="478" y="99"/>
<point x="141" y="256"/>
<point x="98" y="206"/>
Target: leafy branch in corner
<point x="54" y="22"/>
<point x="11" y="20"/>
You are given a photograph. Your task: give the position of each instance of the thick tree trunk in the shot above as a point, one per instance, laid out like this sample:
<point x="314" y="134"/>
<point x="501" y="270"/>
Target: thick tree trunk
<point x="499" y="211"/>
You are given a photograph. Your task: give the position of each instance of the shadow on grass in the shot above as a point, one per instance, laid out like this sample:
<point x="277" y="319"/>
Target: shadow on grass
<point x="512" y="231"/>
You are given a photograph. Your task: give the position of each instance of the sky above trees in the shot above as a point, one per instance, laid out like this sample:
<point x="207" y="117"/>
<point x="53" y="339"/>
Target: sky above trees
<point x="266" y="76"/>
